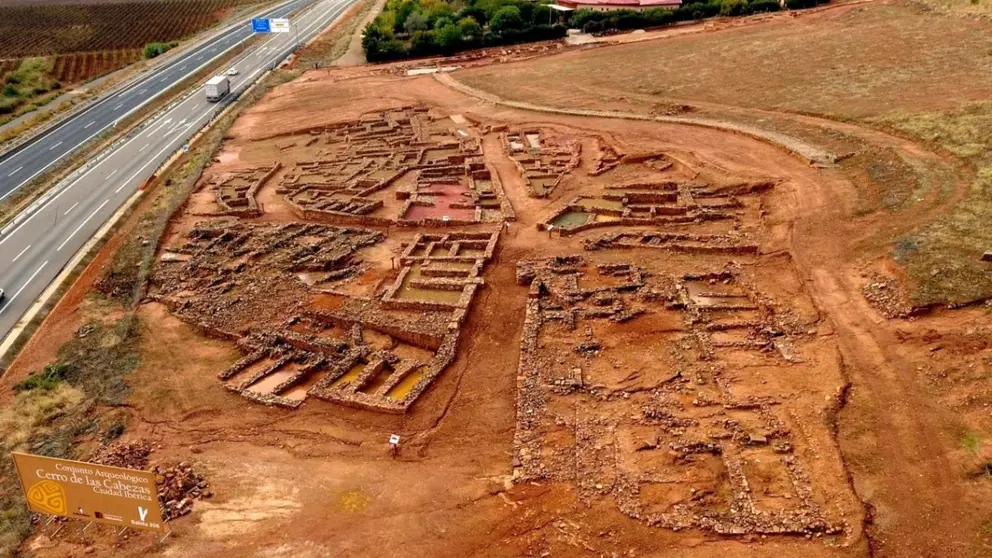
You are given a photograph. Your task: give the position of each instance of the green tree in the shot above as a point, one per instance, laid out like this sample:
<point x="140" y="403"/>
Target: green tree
<point x="506" y="19"/>
<point x="474" y="12"/>
<point x="437" y="12"/>
<point x="470" y="28"/>
<point x="403" y="12"/>
<point x="416" y="21"/>
<point x="442" y="22"/>
<point x="733" y="7"/>
<point x="372" y="35"/>
<point x="448" y="38"/>
<point x="541" y="15"/>
<point x="423" y="43"/>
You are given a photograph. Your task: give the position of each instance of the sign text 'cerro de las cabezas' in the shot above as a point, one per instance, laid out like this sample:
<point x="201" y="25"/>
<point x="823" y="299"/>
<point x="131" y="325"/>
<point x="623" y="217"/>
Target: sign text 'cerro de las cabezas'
<point x="90" y="492"/>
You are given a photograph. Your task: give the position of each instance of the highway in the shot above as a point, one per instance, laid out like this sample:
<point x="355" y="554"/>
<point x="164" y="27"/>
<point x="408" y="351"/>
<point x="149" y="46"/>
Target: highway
<point x="29" y="161"/>
<point x="35" y="250"/>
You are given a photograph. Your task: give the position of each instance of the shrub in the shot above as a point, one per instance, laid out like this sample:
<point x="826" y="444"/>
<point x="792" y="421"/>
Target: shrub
<point x="47" y="380"/>
<point x="629" y="19"/>
<point x="581" y="17"/>
<point x="154" y="49"/>
<point x="8" y="104"/>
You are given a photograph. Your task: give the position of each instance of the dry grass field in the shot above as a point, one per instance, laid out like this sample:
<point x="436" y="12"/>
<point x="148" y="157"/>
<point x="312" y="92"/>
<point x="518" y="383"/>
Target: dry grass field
<point x="896" y="66"/>
<point x="851" y="63"/>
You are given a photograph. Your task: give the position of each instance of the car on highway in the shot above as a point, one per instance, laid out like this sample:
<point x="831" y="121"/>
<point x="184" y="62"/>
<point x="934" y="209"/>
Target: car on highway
<point x="232" y="72"/>
<point x="2" y="295"/>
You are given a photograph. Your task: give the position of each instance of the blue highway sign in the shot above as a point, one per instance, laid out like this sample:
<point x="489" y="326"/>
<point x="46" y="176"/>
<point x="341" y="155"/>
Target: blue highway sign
<point x="261" y="26"/>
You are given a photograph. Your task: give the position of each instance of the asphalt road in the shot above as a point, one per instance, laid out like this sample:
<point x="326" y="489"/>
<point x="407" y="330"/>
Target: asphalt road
<point x="34" y="158"/>
<point x="34" y="251"/>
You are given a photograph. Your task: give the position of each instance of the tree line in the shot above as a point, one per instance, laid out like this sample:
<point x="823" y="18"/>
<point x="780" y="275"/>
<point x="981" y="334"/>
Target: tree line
<point x="415" y="28"/>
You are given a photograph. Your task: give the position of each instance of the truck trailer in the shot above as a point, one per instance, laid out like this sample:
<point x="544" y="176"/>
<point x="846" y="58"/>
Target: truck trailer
<point x="217" y="87"/>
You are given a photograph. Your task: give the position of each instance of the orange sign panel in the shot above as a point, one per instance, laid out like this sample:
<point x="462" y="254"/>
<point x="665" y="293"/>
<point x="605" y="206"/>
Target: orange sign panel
<point x="91" y="492"/>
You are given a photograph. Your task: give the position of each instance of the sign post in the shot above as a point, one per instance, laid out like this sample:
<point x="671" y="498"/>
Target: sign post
<point x="90" y="492"/>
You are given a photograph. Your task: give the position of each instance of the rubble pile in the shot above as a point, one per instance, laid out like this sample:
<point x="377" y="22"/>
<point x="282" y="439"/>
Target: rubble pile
<point x="178" y="487"/>
<point x="887" y="296"/>
<point x="127" y="455"/>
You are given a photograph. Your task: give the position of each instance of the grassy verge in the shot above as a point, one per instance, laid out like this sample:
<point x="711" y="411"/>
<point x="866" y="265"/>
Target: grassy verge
<point x="28" y="86"/>
<point x="61" y="409"/>
<point x="943" y="258"/>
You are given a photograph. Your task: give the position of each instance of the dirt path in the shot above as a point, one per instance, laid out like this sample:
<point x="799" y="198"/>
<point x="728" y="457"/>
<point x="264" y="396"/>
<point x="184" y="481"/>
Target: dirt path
<point x="354" y="56"/>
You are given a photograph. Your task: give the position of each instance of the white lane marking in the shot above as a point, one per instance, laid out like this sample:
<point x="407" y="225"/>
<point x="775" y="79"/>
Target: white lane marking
<point x="66" y="189"/>
<point x="154" y="157"/>
<point x="71" y="208"/>
<point x="87" y="220"/>
<point x="92" y="122"/>
<point x="319" y="21"/>
<point x="33" y="275"/>
<point x="181" y="68"/>
<point x="118" y="106"/>
<point x="17" y="257"/>
<point x="56" y="160"/>
<point x="59" y="158"/>
<point x="112" y="173"/>
<point x="157" y="128"/>
<point x="194" y="107"/>
<point x="54" y="146"/>
<point x="142" y="91"/>
<point x="14" y="172"/>
<point x="143" y="148"/>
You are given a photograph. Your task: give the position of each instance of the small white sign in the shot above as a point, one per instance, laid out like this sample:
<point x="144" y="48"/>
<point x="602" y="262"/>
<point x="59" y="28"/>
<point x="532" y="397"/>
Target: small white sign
<point x="279" y="25"/>
<point x="394" y="440"/>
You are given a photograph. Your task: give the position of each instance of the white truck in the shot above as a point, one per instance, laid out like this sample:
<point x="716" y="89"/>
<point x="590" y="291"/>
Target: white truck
<point x="217" y="87"/>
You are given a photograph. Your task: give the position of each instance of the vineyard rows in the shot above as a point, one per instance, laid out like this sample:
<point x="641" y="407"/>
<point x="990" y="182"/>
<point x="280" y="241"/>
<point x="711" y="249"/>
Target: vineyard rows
<point x="79" y="67"/>
<point x="43" y="30"/>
